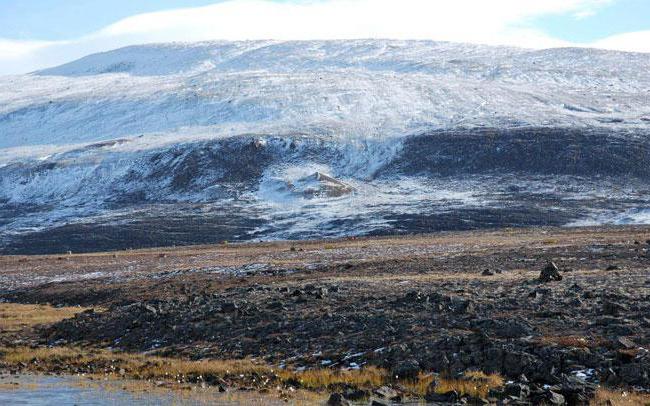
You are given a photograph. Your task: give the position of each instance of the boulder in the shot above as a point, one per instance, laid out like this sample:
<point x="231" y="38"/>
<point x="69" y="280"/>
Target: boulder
<point x="407" y="369"/>
<point x="550" y="273"/>
<point x="611" y="308"/>
<point x="229" y="307"/>
<point x="551" y="398"/>
<point x="388" y="393"/>
<point x="355" y="395"/>
<point x="448" y="397"/>
<point x="517" y="390"/>
<point x="320" y="185"/>
<point x="336" y="399"/>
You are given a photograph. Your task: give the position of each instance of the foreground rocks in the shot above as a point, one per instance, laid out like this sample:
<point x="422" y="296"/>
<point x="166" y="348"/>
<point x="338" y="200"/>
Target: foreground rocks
<point x="553" y="321"/>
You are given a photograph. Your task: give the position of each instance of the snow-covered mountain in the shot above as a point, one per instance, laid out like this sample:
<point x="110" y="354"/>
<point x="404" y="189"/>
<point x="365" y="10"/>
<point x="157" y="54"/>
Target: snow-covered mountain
<point x="222" y="140"/>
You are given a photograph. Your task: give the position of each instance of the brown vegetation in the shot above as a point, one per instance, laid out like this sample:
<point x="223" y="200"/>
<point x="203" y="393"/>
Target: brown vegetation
<point x="15" y="317"/>
<point x="242" y="373"/>
<point x="606" y="397"/>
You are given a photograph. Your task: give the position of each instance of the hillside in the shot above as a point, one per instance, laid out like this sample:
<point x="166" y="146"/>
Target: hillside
<point x="209" y="141"/>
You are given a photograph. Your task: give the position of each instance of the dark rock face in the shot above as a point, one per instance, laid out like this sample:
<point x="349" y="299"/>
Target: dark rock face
<point x="525" y="150"/>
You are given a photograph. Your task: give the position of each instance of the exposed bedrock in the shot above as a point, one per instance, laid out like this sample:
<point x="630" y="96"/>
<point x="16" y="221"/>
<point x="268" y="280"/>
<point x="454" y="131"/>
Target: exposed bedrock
<point x="570" y="151"/>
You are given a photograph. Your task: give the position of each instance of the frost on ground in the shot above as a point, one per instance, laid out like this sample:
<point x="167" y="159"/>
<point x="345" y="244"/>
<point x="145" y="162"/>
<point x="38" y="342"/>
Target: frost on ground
<point x="226" y="136"/>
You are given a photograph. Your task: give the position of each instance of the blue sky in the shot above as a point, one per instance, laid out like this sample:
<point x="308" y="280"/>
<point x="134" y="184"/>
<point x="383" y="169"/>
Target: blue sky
<point x="617" y="18"/>
<point x="40" y="33"/>
<point x="65" y="19"/>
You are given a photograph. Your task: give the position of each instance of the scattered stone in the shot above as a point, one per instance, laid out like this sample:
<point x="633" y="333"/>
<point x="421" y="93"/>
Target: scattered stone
<point x="413" y="297"/>
<point x="517" y="390"/>
<point x="589" y="295"/>
<point x="336" y="399"/>
<point x="229" y="307"/>
<point x="447" y="397"/>
<point x="550" y="273"/>
<point x="511" y="328"/>
<point x="407" y="369"/>
<point x="388" y="393"/>
<point x="355" y="395"/>
<point x="575" y="288"/>
<point x="475" y="401"/>
<point x="459" y="305"/>
<point x="612" y="308"/>
<point x="552" y="399"/>
<point x="626" y="342"/>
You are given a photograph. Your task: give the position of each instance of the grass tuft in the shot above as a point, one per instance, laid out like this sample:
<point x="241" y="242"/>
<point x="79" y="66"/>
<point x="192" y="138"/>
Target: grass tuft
<point x="606" y="397"/>
<point x="238" y="372"/>
<point x="327" y="378"/>
<point x="420" y="386"/>
<point x="16" y="317"/>
<point x="472" y="383"/>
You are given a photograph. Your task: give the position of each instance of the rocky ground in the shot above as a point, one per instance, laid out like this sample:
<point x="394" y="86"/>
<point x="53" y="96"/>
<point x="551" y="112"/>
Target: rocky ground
<point x="556" y="312"/>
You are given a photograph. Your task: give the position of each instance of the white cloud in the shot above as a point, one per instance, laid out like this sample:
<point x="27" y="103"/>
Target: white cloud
<point x="478" y="21"/>
<point x="632" y="41"/>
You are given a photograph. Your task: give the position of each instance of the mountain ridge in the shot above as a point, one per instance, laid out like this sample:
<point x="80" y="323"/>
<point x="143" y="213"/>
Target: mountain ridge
<point x="426" y="135"/>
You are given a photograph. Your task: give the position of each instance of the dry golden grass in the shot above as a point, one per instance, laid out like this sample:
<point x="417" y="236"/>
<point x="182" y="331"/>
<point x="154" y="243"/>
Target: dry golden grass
<point x="139" y="366"/>
<point x="420" y="386"/>
<point x="473" y="383"/>
<point x="325" y="378"/>
<point x="126" y="364"/>
<point x="606" y="397"/>
<point x="15" y="317"/>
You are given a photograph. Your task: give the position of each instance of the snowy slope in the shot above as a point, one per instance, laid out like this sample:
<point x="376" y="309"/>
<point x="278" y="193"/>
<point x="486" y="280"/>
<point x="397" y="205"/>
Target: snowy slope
<point x="350" y="88"/>
<point x="413" y="128"/>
